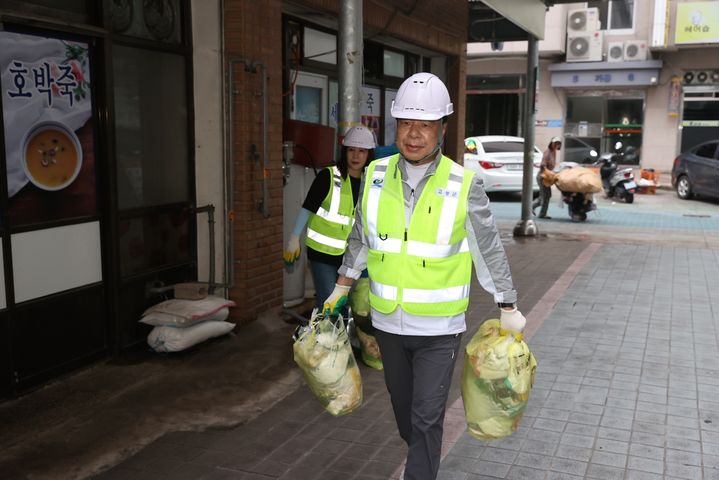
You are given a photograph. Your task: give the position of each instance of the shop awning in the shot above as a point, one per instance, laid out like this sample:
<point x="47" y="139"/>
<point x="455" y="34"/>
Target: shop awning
<point x="605" y="74"/>
<point x="505" y="21"/>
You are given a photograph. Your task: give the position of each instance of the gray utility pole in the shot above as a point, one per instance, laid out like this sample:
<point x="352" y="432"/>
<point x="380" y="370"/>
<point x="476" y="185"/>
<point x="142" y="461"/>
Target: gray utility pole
<point x="526" y="227"/>
<point x="350" y="63"/>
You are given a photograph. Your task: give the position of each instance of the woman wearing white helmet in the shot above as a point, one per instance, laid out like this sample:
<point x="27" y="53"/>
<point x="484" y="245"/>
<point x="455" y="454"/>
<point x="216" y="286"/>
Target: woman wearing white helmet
<point x="329" y="208"/>
<point x="422" y="221"/>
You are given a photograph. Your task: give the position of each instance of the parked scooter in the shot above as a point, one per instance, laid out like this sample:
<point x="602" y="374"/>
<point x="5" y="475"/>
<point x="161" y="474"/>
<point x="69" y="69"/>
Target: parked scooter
<point x="578" y="203"/>
<point x="617" y="183"/>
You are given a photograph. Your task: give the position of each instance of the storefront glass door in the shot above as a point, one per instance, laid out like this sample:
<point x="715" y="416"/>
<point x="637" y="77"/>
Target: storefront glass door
<point x="599" y="122"/>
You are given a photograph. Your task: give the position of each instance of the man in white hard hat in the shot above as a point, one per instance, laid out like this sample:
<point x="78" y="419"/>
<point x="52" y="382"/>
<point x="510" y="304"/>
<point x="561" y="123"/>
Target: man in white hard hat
<point x="421" y="222"/>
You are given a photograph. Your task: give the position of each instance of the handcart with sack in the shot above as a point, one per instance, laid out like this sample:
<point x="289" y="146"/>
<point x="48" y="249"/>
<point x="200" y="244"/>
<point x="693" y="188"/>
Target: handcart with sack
<point x="577" y="185"/>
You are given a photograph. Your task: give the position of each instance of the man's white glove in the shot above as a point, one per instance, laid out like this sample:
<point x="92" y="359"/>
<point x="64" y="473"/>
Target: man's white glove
<point x="512" y="320"/>
<point x="292" y="250"/>
<point x="337" y="300"/>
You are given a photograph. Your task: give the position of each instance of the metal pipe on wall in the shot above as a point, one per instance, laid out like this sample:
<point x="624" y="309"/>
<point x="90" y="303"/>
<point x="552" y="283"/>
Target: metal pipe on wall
<point x="230" y="170"/>
<point x="228" y="173"/>
<point x="210" y="210"/>
<point x="350" y="63"/>
<point x="230" y="93"/>
<point x="265" y="143"/>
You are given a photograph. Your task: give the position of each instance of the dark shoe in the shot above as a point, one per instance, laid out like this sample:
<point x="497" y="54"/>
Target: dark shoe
<point x="545" y="216"/>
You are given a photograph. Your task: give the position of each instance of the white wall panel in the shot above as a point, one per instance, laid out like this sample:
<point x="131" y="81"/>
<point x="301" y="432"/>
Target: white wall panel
<point x="56" y="259"/>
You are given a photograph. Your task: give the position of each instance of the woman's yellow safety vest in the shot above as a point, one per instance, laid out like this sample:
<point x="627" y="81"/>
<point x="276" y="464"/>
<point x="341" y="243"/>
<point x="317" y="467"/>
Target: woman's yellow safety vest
<point x="424" y="268"/>
<point x="329" y="228"/>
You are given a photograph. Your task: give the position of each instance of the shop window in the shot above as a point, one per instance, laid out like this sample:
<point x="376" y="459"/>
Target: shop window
<point x="625" y="111"/>
<point x="494" y="82"/>
<point x="584" y="116"/>
<point x="77" y="6"/>
<point x="615" y="14"/>
<point x="159" y="20"/>
<point x="151" y="127"/>
<point x="373" y="61"/>
<point x="320" y="46"/>
<point x="624" y="124"/>
<point x="71" y="10"/>
<point x="154" y="241"/>
<point x="393" y="64"/>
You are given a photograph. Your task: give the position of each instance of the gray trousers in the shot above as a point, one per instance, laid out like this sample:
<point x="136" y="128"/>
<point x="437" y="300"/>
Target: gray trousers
<point x="545" y="193"/>
<point x="418" y="372"/>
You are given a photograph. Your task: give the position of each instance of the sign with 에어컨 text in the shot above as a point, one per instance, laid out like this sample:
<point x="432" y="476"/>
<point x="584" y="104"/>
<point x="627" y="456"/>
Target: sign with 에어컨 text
<point x="697" y="22"/>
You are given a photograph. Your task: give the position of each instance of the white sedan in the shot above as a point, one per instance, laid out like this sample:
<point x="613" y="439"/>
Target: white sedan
<point x="498" y="160"/>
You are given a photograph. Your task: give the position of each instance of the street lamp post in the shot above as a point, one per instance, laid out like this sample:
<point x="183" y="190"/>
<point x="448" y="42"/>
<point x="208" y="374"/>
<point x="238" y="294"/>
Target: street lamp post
<point x="526" y="227"/>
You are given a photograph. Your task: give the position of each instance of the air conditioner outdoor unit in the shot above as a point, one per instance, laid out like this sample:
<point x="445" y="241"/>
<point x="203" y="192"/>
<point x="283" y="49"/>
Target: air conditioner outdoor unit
<point x="585" y="48"/>
<point x="583" y="20"/>
<point x="635" y="50"/>
<point x="701" y="77"/>
<point x="615" y="51"/>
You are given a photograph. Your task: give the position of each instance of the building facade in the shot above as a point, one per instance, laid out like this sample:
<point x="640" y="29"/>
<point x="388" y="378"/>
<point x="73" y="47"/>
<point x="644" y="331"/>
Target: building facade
<point x="174" y="119"/>
<point x="643" y="72"/>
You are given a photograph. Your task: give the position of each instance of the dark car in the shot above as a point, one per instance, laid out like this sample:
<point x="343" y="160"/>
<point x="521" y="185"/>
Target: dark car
<point x="696" y="171"/>
<point x="578" y="151"/>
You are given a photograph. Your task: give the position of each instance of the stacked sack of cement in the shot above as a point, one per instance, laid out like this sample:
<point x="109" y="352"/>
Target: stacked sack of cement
<point x="496" y="381"/>
<point x="359" y="303"/>
<point x="181" y="323"/>
<point x="323" y="353"/>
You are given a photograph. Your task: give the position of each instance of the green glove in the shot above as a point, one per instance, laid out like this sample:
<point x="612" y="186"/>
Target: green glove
<point x="337" y="300"/>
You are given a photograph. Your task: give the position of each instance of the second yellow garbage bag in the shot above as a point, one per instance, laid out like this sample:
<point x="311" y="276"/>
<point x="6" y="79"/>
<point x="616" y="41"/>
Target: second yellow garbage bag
<point x="496" y="381"/>
<point x="359" y="303"/>
<point x="323" y="353"/>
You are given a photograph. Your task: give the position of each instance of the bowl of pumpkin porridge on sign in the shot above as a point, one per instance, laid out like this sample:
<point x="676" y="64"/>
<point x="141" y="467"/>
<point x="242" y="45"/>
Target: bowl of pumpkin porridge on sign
<point x="52" y="155"/>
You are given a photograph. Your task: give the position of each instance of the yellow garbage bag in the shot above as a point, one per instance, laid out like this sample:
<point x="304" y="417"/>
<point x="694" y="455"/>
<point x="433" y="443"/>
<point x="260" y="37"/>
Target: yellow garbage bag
<point x="496" y="381"/>
<point x="359" y="297"/>
<point x="359" y="303"/>
<point x="370" y="353"/>
<point x="323" y="353"/>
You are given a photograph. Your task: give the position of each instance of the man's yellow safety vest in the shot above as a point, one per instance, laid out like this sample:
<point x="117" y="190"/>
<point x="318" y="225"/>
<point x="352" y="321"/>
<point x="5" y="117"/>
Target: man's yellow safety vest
<point x="329" y="228"/>
<point x="424" y="268"/>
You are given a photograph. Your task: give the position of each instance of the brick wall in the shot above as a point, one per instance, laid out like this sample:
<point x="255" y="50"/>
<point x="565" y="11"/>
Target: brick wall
<point x="253" y="33"/>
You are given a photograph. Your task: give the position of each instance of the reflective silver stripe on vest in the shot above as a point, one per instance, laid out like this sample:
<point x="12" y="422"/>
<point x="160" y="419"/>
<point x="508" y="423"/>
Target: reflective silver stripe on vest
<point x="390" y="245"/>
<point x="325" y="240"/>
<point x="451" y="294"/>
<point x="430" y="250"/>
<point x="381" y="290"/>
<point x="332" y="215"/>
<point x="449" y="205"/>
<point x="375" y="190"/>
<point x="335" y="217"/>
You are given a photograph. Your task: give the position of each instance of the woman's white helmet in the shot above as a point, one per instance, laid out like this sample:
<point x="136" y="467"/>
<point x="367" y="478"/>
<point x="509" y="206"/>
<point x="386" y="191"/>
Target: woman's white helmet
<point x="359" y="137"/>
<point x="422" y="96"/>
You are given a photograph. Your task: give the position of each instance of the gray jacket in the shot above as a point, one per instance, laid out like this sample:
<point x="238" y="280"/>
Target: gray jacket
<point x="485" y="246"/>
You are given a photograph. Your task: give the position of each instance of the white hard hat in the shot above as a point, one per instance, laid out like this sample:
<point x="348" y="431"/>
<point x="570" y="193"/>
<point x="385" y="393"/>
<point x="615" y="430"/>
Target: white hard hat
<point x="359" y="137"/>
<point x="422" y="96"/>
